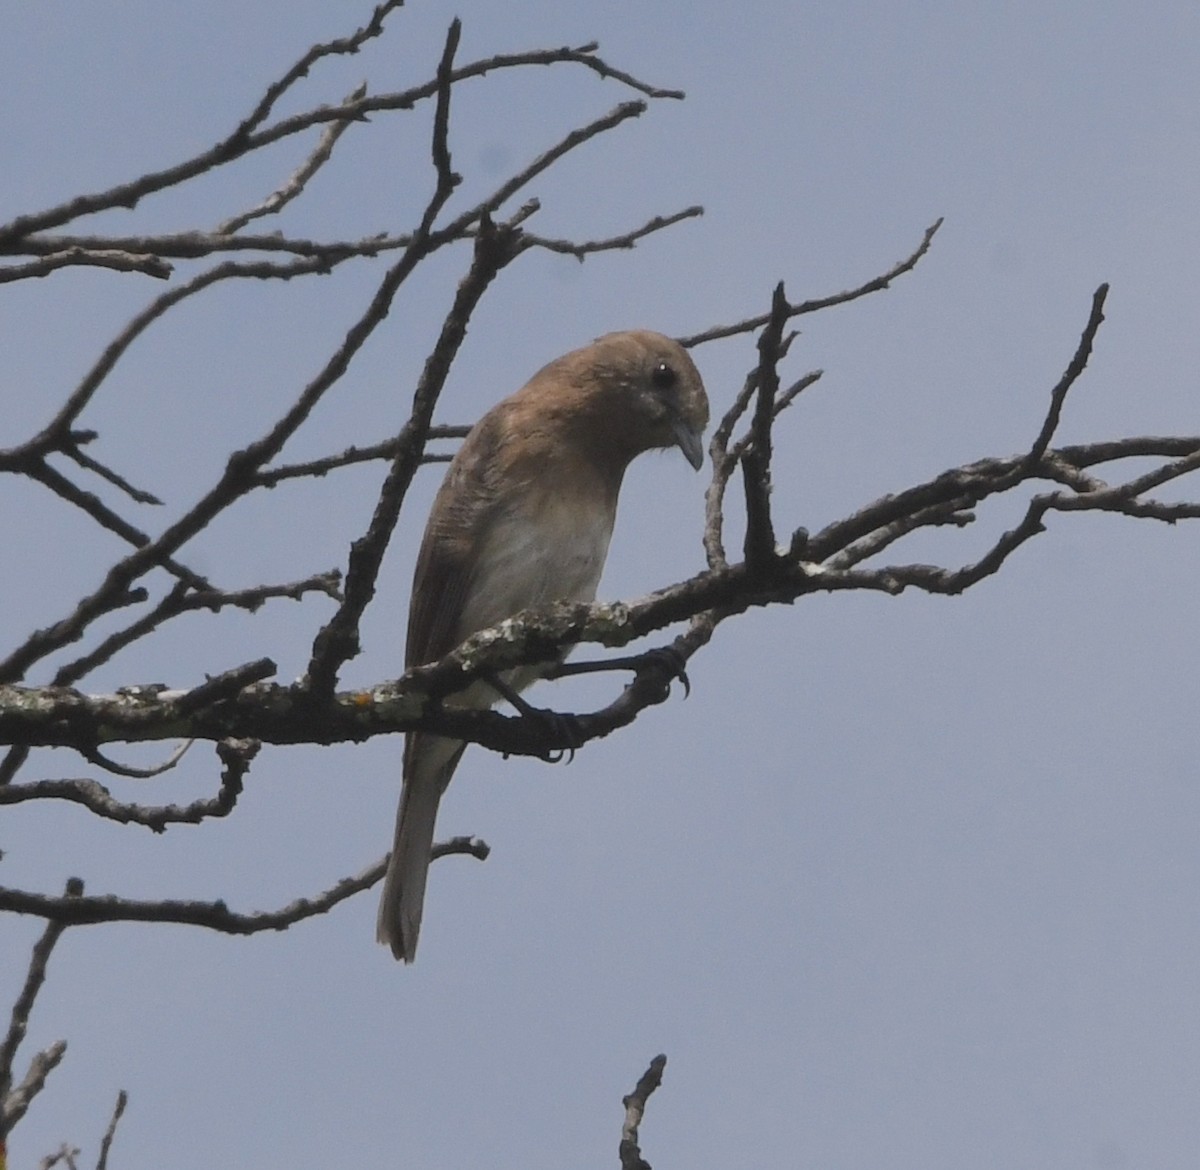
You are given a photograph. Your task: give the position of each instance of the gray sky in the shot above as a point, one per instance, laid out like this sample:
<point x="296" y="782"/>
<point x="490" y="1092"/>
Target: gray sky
<point x="906" y="883"/>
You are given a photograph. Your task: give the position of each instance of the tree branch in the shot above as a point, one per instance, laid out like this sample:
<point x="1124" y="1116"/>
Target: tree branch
<point x="13" y="1105"/>
<point x="251" y="136"/>
<point x="111" y="1132"/>
<point x="79" y="257"/>
<point x="217" y="916"/>
<point x="338" y="640"/>
<point x="832" y="560"/>
<point x="635" y="1109"/>
<point x="875" y="284"/>
<point x="759" y="545"/>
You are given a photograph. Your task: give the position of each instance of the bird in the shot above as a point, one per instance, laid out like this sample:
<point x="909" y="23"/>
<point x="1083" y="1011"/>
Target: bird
<point x="523" y="518"/>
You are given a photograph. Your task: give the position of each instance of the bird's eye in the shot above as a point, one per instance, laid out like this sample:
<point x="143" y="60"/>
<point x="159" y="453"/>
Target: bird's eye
<point x="664" y="376"/>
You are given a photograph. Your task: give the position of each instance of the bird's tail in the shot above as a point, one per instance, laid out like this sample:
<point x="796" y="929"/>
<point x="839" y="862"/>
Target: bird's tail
<point x="429" y="762"/>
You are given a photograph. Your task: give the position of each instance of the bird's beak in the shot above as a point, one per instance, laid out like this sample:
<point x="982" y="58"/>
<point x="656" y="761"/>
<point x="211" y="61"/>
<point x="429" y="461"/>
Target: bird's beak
<point x="687" y="439"/>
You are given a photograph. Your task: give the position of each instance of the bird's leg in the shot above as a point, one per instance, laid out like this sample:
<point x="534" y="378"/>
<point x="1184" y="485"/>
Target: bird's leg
<point x="559" y="724"/>
<point x="665" y="658"/>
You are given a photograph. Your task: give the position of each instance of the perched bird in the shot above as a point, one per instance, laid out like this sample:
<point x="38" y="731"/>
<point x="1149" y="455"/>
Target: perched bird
<point x="523" y="518"/>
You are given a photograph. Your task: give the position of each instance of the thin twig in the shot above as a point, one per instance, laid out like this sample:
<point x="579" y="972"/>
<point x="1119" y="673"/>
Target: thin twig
<point x="100" y="802"/>
<point x="759" y="544"/>
<point x="337" y="642"/>
<point x="1078" y="364"/>
<point x="69" y="257"/>
<point x="722" y="468"/>
<point x="626" y="240"/>
<point x="635" y="1109"/>
<point x="354" y="455"/>
<point x="342" y="46"/>
<point x="215" y="915"/>
<point x="51" y="437"/>
<point x="111" y="1132"/>
<point x="296" y="183"/>
<point x="237" y="479"/>
<point x="196" y="244"/>
<point x="35" y="976"/>
<point x="569" y="142"/>
<point x="41" y="472"/>
<point x="65" y="1154"/>
<point x="241" y="143"/>
<point x="180" y="601"/>
<point x="224" y="686"/>
<point x="96" y="757"/>
<point x="106" y="473"/>
<point x="32" y="1083"/>
<point x="447" y="180"/>
<point x="876" y="284"/>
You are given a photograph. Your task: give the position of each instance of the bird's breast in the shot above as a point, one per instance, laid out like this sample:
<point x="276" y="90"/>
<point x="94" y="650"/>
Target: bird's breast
<point x="550" y="548"/>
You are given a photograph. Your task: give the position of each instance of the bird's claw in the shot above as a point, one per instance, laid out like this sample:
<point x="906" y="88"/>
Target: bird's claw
<point x="557" y="724"/>
<point x="674" y="664"/>
<point x="560" y="725"/>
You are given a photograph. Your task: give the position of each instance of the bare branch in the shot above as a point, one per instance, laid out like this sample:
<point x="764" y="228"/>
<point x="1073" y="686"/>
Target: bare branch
<point x="235" y="754"/>
<point x="243" y="141"/>
<point x="95" y="756"/>
<point x="1136" y="447"/>
<point x="14" y="760"/>
<point x="635" y="1109"/>
<point x="447" y="180"/>
<point x="828" y="561"/>
<point x="341" y="47"/>
<point x="759" y="546"/>
<point x="1078" y="364"/>
<point x="41" y="1066"/>
<point x="876" y="284"/>
<point x="296" y="183"/>
<point x="726" y="455"/>
<point x="226" y="685"/>
<point x="723" y="464"/>
<point x="338" y="640"/>
<point x="41" y="472"/>
<point x="77" y="257"/>
<point x="51" y="437"/>
<point x="237" y="479"/>
<point x="216" y="915"/>
<point x="177" y="602"/>
<point x="195" y="244"/>
<point x="352" y="455"/>
<point x="111" y="1132"/>
<point x="198" y="244"/>
<point x="75" y="452"/>
<point x="626" y="240"/>
<point x="796" y="389"/>
<point x="65" y="1154"/>
<point x="952" y="512"/>
<point x="180" y="601"/>
<point x="19" y="1022"/>
<point x="543" y="162"/>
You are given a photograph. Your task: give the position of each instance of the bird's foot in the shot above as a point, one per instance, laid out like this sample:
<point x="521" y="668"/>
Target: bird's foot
<point x="561" y="725"/>
<point x="557" y="725"/>
<point x="672" y="663"/>
<point x="665" y="659"/>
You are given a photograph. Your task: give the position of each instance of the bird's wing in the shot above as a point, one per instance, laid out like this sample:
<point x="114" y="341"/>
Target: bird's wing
<point x="449" y="556"/>
<point x="440" y="589"/>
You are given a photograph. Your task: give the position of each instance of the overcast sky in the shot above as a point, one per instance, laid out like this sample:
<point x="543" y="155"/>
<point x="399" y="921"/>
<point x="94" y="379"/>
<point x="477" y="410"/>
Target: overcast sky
<point x="907" y="883"/>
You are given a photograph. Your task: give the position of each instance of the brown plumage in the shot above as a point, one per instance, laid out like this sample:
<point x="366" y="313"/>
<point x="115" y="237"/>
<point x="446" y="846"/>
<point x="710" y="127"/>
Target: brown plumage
<point x="523" y="518"/>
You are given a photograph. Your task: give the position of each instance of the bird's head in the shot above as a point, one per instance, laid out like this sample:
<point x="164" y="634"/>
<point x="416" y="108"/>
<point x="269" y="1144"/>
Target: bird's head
<point x="637" y="391"/>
